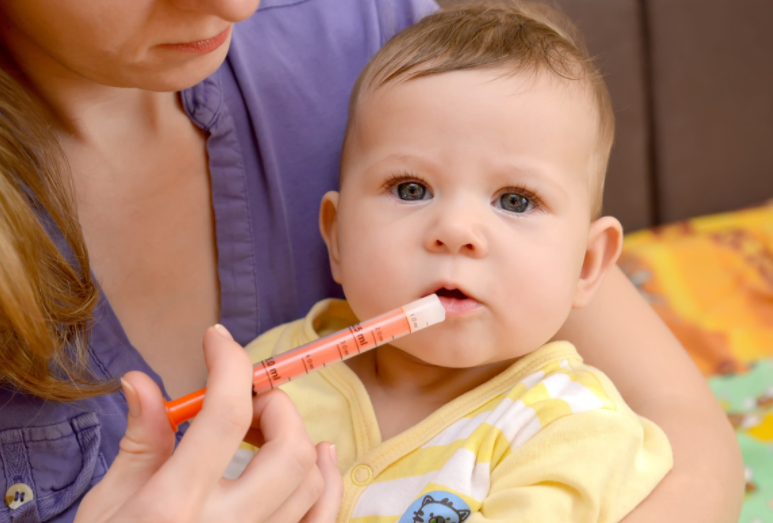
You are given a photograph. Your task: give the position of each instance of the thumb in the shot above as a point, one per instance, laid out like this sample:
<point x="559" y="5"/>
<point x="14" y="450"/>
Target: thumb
<point x="146" y="446"/>
<point x="149" y="439"/>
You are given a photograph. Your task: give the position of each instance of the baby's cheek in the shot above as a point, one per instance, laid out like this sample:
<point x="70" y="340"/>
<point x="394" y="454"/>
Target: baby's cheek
<point x="371" y="281"/>
<point x="538" y="298"/>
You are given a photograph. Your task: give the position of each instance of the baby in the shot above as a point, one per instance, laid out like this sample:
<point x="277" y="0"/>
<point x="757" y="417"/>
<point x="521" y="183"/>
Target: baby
<point x="473" y="168"/>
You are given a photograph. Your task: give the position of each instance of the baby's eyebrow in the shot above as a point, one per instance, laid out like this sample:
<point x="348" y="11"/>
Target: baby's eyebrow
<point x="410" y="161"/>
<point x="422" y="161"/>
<point x="537" y="175"/>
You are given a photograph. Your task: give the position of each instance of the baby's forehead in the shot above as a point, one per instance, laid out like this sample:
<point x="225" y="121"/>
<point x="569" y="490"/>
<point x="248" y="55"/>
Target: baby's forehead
<point x="508" y="86"/>
<point x="482" y="104"/>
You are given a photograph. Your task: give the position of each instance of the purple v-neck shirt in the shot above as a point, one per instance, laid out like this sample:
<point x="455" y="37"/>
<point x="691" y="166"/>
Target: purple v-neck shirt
<point x="275" y="112"/>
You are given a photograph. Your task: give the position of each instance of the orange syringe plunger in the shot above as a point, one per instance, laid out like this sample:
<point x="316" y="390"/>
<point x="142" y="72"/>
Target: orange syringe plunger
<point x="339" y="346"/>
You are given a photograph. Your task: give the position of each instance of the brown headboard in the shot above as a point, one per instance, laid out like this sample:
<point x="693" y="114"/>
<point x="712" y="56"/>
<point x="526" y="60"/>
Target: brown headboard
<point x="692" y="86"/>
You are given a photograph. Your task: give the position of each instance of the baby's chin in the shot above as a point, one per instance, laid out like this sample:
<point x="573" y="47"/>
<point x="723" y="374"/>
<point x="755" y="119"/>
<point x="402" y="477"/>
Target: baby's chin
<point x="455" y="353"/>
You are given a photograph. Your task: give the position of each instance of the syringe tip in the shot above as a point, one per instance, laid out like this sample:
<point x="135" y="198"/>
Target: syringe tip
<point x="424" y="312"/>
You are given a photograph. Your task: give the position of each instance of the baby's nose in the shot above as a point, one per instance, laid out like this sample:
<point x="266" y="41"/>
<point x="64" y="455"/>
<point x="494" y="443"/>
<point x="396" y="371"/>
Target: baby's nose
<point x="457" y="233"/>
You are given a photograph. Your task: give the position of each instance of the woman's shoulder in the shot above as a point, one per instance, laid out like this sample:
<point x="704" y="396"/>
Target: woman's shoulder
<point x="405" y="11"/>
<point x="299" y="51"/>
<point x="296" y="53"/>
<point x="313" y="18"/>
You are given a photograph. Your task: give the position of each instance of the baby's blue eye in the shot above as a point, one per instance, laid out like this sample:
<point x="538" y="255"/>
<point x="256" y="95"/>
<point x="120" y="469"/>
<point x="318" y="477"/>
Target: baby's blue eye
<point x="411" y="191"/>
<point x="514" y="202"/>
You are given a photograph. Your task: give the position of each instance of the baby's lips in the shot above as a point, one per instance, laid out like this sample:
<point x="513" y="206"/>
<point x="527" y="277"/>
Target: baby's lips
<point x="450" y="290"/>
<point x="458" y="306"/>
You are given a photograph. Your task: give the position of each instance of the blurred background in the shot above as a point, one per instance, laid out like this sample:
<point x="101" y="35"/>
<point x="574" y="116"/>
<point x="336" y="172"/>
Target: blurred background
<point x="691" y="179"/>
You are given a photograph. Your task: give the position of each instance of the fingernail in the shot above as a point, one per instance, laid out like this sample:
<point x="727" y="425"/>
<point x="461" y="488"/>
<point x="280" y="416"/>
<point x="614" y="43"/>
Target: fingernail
<point x="334" y="454"/>
<point x="132" y="400"/>
<point x="223" y="332"/>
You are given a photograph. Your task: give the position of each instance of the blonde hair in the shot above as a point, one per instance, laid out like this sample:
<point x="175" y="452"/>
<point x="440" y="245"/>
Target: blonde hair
<point x="513" y="35"/>
<point x="46" y="298"/>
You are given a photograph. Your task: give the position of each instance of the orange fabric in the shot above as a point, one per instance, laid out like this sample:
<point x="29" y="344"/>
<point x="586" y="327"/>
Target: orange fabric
<point x="711" y="280"/>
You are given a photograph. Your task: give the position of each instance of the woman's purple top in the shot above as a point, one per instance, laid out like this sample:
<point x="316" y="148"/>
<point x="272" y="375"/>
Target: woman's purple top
<point x="275" y="113"/>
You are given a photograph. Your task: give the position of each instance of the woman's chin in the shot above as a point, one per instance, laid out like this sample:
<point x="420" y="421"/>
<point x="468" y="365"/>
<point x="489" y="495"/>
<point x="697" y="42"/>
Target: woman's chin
<point x="186" y="70"/>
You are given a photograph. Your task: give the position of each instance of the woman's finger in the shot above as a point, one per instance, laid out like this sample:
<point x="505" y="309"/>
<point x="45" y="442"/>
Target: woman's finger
<point x="145" y="447"/>
<point x="325" y="510"/>
<point x="214" y="435"/>
<point x="296" y="505"/>
<point x="287" y="448"/>
<point x="318" y="498"/>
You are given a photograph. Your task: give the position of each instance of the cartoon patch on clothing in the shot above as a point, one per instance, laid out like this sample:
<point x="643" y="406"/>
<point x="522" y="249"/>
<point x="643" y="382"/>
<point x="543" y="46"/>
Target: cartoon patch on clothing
<point x="437" y="507"/>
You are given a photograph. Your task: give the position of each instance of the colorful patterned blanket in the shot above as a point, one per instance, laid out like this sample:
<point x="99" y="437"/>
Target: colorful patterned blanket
<point x="711" y="280"/>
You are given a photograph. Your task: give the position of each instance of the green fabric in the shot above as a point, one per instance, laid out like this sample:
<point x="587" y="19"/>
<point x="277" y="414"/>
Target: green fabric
<point x="748" y="400"/>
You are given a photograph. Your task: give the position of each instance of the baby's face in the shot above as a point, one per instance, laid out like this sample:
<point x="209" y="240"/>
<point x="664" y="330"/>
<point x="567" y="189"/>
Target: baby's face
<point x="475" y="186"/>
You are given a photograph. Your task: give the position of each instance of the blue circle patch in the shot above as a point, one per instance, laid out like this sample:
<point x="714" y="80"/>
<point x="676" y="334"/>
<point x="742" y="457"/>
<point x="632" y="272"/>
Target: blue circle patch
<point x="437" y="507"/>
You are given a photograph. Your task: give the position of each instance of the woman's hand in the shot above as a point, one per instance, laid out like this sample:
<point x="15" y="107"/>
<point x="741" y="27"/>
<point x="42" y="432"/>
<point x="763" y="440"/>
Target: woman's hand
<point x="288" y="480"/>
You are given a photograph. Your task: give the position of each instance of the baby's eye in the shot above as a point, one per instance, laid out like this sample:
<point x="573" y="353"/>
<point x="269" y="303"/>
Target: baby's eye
<point x="514" y="202"/>
<point x="410" y="191"/>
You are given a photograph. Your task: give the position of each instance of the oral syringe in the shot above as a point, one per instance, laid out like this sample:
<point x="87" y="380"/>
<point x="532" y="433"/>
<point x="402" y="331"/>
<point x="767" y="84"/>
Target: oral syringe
<point x="341" y="345"/>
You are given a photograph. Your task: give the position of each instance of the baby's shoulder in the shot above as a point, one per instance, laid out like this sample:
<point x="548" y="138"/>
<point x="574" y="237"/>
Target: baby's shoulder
<point x="568" y="382"/>
<point x="561" y="385"/>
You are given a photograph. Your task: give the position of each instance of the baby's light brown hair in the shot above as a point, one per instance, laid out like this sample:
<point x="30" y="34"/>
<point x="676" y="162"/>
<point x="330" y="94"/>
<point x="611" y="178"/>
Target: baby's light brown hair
<point x="512" y="36"/>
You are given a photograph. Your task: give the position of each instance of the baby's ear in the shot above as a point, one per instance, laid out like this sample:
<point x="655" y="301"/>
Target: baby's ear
<point x="605" y="240"/>
<point x="328" y="226"/>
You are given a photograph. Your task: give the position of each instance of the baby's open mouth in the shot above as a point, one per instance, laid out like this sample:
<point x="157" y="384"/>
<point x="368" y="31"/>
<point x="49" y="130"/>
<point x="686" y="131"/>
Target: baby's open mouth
<point x="456" y="302"/>
<point x="451" y="293"/>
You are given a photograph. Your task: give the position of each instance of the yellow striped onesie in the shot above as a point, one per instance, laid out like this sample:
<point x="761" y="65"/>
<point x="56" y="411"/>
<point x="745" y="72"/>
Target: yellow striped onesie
<point x="549" y="439"/>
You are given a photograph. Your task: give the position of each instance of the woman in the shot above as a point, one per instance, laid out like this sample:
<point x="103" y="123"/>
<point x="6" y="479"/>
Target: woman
<point x="200" y="206"/>
<point x="46" y="302"/>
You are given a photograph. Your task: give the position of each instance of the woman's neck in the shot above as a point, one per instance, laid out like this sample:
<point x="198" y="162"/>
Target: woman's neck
<point x="79" y="107"/>
<point x="141" y="184"/>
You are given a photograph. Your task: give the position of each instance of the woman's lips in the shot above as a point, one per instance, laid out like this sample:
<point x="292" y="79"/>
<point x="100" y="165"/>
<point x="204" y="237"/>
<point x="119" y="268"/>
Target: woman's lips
<point x="202" y="46"/>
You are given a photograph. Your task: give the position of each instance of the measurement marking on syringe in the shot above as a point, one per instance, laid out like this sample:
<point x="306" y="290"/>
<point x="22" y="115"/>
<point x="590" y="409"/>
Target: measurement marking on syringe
<point x="354" y="338"/>
<point x="265" y="369"/>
